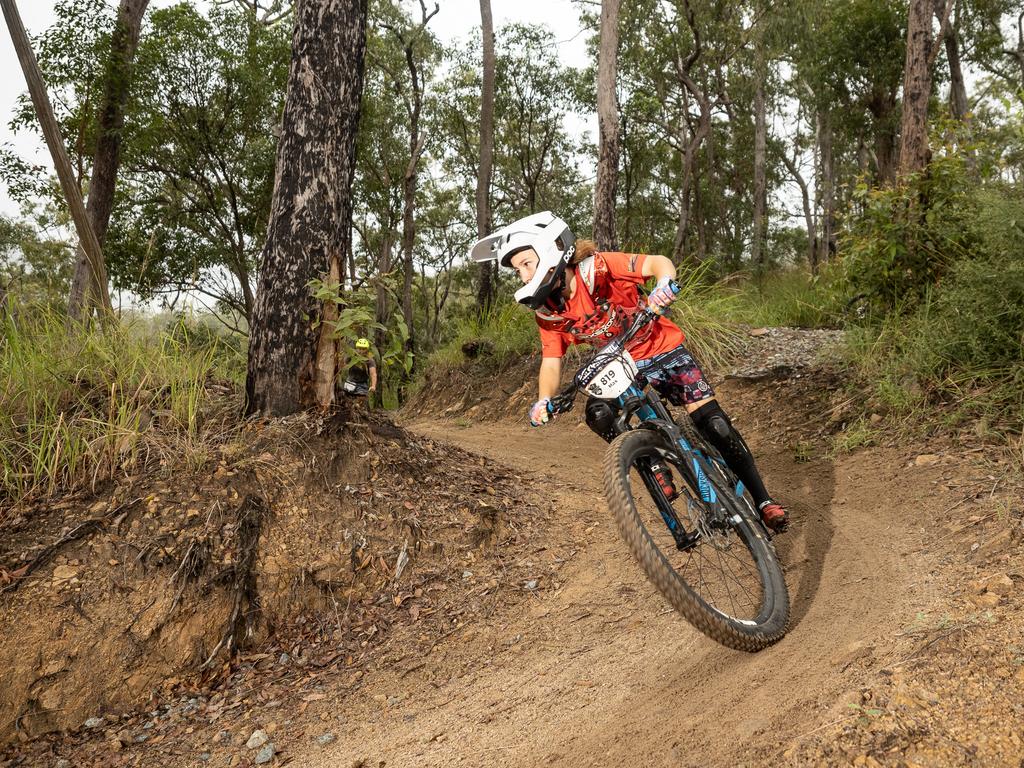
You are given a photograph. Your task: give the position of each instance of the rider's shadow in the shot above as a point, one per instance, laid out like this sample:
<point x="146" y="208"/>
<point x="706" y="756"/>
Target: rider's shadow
<point x="807" y="489"/>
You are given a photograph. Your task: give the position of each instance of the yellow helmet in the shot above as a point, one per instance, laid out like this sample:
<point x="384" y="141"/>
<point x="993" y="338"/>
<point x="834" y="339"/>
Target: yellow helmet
<point x="362" y="344"/>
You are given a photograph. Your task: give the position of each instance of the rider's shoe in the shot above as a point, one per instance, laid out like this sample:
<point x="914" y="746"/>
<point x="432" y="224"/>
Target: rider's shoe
<point x="664" y="477"/>
<point x="774" y="516"/>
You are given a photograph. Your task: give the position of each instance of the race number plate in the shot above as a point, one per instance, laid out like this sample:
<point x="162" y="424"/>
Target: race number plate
<point x="610" y="380"/>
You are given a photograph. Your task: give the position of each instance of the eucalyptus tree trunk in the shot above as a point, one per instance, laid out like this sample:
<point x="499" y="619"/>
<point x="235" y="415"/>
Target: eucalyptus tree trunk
<point x="917" y="86"/>
<point x="760" y="228"/>
<point x="608" y="127"/>
<point x="107" y="158"/>
<point x="882" y="104"/>
<point x="958" y="104"/>
<point x="826" y="245"/>
<point x="689" y="139"/>
<point x="488" y="269"/>
<point x="310" y="210"/>
<point x="410" y="180"/>
<point x="55" y="143"/>
<point x="383" y="305"/>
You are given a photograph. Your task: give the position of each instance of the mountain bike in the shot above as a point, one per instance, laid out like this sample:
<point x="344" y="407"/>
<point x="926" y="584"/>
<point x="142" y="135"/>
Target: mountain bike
<point x="684" y="515"/>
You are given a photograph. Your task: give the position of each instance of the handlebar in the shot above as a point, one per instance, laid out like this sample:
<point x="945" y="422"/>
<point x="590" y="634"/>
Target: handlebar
<point x="564" y="400"/>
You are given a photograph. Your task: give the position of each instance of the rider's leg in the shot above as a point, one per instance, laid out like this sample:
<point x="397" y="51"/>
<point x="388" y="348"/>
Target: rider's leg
<point x="716" y="427"/>
<point x="682" y="382"/>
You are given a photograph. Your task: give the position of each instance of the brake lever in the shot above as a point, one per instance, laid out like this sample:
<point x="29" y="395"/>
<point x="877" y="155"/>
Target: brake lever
<point x="563" y="402"/>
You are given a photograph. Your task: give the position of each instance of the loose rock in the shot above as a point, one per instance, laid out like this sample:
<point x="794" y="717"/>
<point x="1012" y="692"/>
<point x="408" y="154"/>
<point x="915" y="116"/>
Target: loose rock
<point x="265" y="755"/>
<point x="1000" y="585"/>
<point x="258" y="739"/>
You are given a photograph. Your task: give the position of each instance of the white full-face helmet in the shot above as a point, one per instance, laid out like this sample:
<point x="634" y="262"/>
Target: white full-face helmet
<point x="546" y="234"/>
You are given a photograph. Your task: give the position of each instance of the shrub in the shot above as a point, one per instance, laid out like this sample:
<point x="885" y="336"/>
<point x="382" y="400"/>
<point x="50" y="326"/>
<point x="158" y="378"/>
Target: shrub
<point x="960" y="341"/>
<point x="898" y="242"/>
<point x="788" y="297"/>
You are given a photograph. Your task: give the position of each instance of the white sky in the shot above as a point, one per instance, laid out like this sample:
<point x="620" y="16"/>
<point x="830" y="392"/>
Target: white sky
<point x="455" y="20"/>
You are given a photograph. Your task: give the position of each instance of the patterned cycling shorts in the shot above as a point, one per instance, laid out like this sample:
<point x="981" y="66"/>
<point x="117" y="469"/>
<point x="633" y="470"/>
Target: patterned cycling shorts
<point x="676" y="376"/>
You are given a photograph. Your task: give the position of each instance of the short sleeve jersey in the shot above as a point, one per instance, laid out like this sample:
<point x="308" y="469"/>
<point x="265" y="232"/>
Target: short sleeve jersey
<point x="605" y="302"/>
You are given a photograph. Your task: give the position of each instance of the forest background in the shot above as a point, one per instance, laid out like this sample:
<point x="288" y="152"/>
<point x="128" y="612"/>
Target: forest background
<point x="849" y="163"/>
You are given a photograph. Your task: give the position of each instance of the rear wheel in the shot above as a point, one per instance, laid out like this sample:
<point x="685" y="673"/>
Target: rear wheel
<point x="712" y="561"/>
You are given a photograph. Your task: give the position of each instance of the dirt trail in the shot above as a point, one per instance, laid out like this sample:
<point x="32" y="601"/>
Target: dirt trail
<point x="598" y="670"/>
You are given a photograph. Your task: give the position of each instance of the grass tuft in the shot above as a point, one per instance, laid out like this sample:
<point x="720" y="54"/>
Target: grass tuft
<point x="82" y="405"/>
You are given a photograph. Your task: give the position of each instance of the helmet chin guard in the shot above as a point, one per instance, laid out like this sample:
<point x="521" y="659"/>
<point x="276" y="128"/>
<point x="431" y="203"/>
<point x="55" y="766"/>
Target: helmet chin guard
<point x="548" y="236"/>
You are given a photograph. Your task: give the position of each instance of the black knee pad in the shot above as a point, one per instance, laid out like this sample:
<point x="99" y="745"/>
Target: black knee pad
<point x="601" y="418"/>
<point x="712" y="422"/>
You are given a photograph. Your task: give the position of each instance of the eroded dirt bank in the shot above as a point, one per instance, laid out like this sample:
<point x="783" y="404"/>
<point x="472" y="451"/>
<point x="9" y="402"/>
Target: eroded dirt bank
<point x="536" y="641"/>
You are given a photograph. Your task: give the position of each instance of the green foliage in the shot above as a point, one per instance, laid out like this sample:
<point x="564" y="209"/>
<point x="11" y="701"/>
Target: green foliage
<point x="504" y="336"/>
<point x="73" y="55"/>
<point x="536" y="157"/>
<point x="80" y="407"/>
<point x="701" y="309"/>
<point x="198" y="160"/>
<point x="35" y="267"/>
<point x="959" y="342"/>
<point x="899" y="241"/>
<point x="356" y="320"/>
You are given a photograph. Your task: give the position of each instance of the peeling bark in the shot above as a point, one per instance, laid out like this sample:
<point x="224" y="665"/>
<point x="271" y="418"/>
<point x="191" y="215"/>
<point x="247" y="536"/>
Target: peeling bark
<point x="312" y="205"/>
<point x="917" y="86"/>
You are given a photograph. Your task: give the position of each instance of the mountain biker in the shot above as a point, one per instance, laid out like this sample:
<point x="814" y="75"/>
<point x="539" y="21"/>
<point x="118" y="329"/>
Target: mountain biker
<point x="580" y="295"/>
<point x="362" y="376"/>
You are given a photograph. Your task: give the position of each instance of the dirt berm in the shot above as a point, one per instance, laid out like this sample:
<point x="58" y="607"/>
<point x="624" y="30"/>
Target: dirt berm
<point x="532" y="638"/>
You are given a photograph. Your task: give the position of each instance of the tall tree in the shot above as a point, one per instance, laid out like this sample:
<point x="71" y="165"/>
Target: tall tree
<point x="958" y="105"/>
<point x="198" y="173"/>
<point x="409" y="39"/>
<point x="917" y="88"/>
<point x="488" y="269"/>
<point x="311" y="209"/>
<point x="607" y="126"/>
<point x="107" y="157"/>
<point x="55" y="143"/>
<point x="759" y="237"/>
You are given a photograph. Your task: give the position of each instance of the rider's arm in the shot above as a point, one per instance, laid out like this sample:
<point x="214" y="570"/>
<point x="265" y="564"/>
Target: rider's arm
<point x="373" y="376"/>
<point x="658" y="267"/>
<point x="549" y="377"/>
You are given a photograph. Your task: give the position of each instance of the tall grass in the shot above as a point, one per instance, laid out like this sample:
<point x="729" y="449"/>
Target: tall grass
<point x="507" y="334"/>
<point x="787" y="297"/>
<point x="83" y="405"/>
<point x="944" y="341"/>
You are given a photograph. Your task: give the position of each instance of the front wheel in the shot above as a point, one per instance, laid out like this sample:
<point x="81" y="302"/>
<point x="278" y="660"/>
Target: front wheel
<point x="712" y="561"/>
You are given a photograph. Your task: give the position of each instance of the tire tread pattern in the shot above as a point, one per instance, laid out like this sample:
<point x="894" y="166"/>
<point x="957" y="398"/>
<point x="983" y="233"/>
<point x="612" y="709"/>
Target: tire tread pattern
<point x="616" y="468"/>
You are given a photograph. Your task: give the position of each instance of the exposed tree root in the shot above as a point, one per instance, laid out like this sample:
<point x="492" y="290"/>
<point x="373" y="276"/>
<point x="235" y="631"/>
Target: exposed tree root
<point x="241" y="578"/>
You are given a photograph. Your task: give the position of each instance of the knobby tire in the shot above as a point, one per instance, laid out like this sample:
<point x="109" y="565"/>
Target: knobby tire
<point x="772" y="618"/>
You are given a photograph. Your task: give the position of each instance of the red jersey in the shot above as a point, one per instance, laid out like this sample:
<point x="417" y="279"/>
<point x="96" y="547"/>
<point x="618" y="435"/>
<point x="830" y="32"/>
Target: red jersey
<point x="605" y="302"/>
